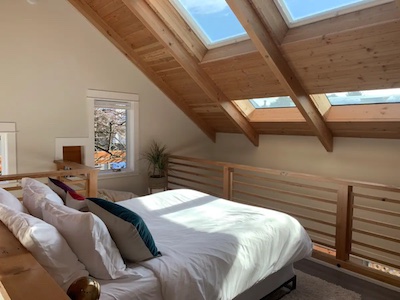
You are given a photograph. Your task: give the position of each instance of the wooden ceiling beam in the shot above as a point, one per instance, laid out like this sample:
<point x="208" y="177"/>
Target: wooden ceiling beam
<point x="322" y="103"/>
<point x="125" y="48"/>
<point x="271" y="17"/>
<point x="156" y="26"/>
<point x="179" y="27"/>
<point x="271" y="53"/>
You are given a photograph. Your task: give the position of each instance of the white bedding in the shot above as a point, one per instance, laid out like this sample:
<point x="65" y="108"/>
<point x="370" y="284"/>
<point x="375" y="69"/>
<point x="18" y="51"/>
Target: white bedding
<point x="214" y="248"/>
<point x="130" y="288"/>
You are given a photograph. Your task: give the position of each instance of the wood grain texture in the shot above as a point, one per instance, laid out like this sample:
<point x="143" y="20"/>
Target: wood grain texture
<point x="265" y="44"/>
<point x="348" y="52"/>
<point x="179" y="27"/>
<point x="152" y="22"/>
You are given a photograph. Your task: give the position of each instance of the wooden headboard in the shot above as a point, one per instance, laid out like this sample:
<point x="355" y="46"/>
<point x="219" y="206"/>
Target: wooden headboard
<point x="21" y="275"/>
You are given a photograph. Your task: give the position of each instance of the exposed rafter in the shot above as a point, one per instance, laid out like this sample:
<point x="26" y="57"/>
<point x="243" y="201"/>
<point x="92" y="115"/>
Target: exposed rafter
<point x="266" y="45"/>
<point x="176" y="24"/>
<point x="155" y="25"/>
<point x="125" y="48"/>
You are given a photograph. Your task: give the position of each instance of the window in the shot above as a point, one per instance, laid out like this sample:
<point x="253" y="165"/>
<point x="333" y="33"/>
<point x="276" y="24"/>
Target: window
<point x="273" y="102"/>
<point x="298" y="13"/>
<point x="365" y="97"/>
<point x="213" y="21"/>
<point x="8" y="150"/>
<point x="342" y="98"/>
<point x="114" y="136"/>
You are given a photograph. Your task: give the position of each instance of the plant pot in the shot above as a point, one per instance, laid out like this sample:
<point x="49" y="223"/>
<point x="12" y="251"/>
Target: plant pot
<point x="158" y="182"/>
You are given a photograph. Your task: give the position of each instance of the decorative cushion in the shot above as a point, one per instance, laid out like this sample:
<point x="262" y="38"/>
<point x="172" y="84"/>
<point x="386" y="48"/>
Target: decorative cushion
<point x="35" y="193"/>
<point x="46" y="245"/>
<point x="127" y="229"/>
<point x="60" y="188"/>
<point x="11" y="201"/>
<point x="76" y="201"/>
<point x="89" y="238"/>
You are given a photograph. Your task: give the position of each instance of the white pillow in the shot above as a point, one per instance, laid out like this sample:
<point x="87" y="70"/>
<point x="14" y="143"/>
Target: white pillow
<point x="35" y="193"/>
<point x="89" y="238"/>
<point x="11" y="201"/>
<point x="46" y="244"/>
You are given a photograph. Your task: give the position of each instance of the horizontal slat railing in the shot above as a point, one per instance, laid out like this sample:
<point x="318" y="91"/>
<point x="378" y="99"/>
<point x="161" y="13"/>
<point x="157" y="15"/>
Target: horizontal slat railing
<point x="353" y="224"/>
<point x="82" y="178"/>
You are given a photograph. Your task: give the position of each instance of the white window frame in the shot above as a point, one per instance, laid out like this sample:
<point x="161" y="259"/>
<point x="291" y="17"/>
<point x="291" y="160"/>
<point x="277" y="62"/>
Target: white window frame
<point x="201" y="34"/>
<point x="325" y="15"/>
<point x="8" y="146"/>
<point x="132" y="153"/>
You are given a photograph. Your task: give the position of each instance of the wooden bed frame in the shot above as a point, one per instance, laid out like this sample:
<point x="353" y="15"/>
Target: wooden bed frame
<point x="21" y="276"/>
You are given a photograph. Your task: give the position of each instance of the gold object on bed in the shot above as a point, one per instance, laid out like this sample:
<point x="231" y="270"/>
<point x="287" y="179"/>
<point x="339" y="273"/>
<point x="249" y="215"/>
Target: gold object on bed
<point x="84" y="288"/>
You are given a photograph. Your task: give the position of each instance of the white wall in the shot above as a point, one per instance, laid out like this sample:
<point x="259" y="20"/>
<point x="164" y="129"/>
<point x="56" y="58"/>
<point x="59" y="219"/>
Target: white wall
<point x="374" y="160"/>
<point x="49" y="56"/>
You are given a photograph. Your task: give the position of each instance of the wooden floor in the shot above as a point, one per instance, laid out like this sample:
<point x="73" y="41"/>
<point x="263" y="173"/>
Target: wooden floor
<point x="368" y="290"/>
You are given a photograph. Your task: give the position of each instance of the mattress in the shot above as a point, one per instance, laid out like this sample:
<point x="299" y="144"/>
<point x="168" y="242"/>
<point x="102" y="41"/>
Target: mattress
<point x="213" y="248"/>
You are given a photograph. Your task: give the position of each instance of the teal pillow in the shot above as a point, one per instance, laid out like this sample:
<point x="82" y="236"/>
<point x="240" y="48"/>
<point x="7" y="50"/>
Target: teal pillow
<point x="127" y="229"/>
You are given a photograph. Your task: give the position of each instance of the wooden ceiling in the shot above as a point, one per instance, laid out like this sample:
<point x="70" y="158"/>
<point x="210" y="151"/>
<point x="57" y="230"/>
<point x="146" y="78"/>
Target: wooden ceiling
<point x="355" y="51"/>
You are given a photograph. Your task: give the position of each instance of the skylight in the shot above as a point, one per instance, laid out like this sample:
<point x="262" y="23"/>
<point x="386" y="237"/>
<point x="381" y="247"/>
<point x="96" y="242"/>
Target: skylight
<point x="212" y="20"/>
<point x="365" y="97"/>
<point x="272" y="102"/>
<point x="298" y="13"/>
<point x="336" y="99"/>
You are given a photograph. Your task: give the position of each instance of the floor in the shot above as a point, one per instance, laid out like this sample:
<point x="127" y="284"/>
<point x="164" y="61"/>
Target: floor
<point x="368" y="290"/>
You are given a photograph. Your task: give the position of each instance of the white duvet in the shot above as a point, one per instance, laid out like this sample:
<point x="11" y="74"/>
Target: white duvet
<point x="214" y="248"/>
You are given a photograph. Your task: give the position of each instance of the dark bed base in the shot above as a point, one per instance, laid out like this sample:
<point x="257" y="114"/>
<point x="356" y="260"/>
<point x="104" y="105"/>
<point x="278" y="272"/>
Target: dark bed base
<point x="281" y="282"/>
<point x="288" y="286"/>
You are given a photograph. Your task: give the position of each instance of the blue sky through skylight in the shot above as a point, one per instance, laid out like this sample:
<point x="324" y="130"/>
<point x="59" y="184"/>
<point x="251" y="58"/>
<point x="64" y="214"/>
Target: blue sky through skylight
<point x="216" y="22"/>
<point x="307" y="8"/>
<point x="215" y="19"/>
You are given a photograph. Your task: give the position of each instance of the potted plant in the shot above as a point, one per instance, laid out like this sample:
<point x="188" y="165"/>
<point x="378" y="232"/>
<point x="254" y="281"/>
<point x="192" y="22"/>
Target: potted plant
<point x="157" y="159"/>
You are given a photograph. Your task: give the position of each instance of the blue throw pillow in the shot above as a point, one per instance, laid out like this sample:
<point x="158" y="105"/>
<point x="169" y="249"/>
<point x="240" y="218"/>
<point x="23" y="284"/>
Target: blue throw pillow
<point x="127" y="229"/>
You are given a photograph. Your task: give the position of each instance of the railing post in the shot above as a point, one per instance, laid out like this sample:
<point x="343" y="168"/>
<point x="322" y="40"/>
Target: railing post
<point x="344" y="222"/>
<point x="227" y="182"/>
<point x="92" y="183"/>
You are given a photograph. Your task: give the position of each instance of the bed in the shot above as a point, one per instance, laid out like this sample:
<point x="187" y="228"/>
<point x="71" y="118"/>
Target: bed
<point x="211" y="249"/>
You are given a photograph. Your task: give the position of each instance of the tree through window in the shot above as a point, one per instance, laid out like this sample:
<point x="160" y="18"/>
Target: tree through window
<point x="110" y="134"/>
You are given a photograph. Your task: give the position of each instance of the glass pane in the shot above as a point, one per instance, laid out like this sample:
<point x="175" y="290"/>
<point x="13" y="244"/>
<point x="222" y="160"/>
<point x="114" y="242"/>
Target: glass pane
<point x="110" y="129"/>
<point x="299" y="10"/>
<point x="365" y="97"/>
<point x="214" y="18"/>
<point x="272" y="102"/>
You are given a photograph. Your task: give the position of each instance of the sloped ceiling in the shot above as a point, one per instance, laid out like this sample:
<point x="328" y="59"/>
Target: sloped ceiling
<point x="355" y="51"/>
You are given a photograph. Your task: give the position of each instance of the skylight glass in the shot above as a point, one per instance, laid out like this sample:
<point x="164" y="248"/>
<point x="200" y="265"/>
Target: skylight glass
<point x="212" y="20"/>
<point x="365" y="97"/>
<point x="336" y="99"/>
<point x="272" y="102"/>
<point x="302" y="12"/>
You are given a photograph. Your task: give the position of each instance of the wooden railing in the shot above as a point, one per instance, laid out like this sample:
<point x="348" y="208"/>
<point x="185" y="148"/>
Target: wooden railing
<point x="81" y="178"/>
<point x="353" y="224"/>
